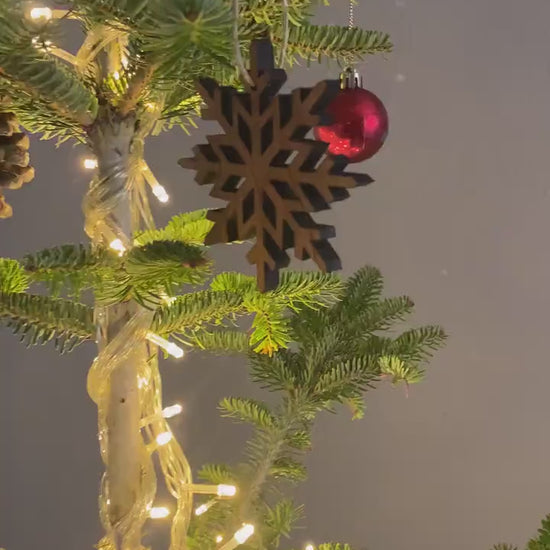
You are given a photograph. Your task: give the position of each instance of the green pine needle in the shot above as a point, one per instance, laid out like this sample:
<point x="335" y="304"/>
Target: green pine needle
<point x="13" y="278"/>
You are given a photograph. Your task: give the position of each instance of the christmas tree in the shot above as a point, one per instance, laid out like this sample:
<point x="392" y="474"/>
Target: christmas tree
<point x="314" y="339"/>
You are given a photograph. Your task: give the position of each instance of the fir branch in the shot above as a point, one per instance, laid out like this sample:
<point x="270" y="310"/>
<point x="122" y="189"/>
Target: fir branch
<point x="194" y="309"/>
<point x="120" y="13"/>
<point x="219" y="340"/>
<point x="418" y="344"/>
<point x="339" y="43"/>
<point x="288" y="469"/>
<point x="308" y="289"/>
<point x="13" y="278"/>
<point x="41" y="75"/>
<point x="37" y="115"/>
<point x="67" y="257"/>
<point x="542" y="540"/>
<point x="165" y="265"/>
<point x="76" y="267"/>
<point x="362" y="290"/>
<point x="384" y="314"/>
<point x="248" y="410"/>
<point x="280" y="519"/>
<point x="189" y="228"/>
<point x="180" y="109"/>
<point x="187" y="37"/>
<point x="216" y="474"/>
<point x="333" y="362"/>
<point x="39" y="319"/>
<point x="346" y="379"/>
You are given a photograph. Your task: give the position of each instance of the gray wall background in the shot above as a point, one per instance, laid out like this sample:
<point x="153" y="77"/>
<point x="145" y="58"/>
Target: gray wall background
<point x="458" y="219"/>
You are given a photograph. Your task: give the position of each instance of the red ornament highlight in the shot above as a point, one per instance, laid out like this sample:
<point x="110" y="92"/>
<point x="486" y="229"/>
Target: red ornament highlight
<point x="360" y="125"/>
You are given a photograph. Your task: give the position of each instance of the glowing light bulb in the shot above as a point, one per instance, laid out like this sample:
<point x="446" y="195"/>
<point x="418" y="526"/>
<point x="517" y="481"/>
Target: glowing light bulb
<point x="309" y="547"/>
<point x="244" y="533"/>
<point x="200" y="510"/>
<point x="41" y="13"/>
<point x="118" y="245"/>
<point x="227" y="490"/>
<point x="160" y="193"/>
<point x="173" y="349"/>
<point x="219" y="538"/>
<point x="219" y="490"/>
<point x="164" y="438"/>
<point x="172" y="410"/>
<point x="240" y="537"/>
<point x="159" y="512"/>
<point x="90" y="163"/>
<point x="116" y="75"/>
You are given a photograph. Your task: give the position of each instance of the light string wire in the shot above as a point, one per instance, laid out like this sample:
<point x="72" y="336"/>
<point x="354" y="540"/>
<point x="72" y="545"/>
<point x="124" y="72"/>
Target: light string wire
<point x="125" y="179"/>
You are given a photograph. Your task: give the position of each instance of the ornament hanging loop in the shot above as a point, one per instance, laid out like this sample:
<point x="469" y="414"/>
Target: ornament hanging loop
<point x="351" y="18"/>
<point x="350" y="78"/>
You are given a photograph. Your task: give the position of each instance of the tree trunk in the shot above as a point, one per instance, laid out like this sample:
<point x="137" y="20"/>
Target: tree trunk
<point x="111" y="140"/>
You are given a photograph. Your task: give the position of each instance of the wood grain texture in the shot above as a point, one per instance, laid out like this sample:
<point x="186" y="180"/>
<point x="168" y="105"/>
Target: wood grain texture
<point x="270" y="174"/>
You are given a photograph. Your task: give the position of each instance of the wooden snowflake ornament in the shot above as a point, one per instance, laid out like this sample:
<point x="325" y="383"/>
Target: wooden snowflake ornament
<point x="269" y="174"/>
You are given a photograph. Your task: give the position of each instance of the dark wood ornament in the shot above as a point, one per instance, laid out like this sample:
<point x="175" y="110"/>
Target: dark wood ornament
<point x="271" y="176"/>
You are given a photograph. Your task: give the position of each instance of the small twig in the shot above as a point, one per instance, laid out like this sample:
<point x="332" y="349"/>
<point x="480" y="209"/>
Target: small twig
<point x="285" y="33"/>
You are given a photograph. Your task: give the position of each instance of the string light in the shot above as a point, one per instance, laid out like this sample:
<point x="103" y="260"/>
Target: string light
<point x="41" y="44"/>
<point x="221" y="490"/>
<point x="157" y="189"/>
<point x="200" y="510"/>
<point x="163" y="438"/>
<point x="309" y="546"/>
<point x="172" y="410"/>
<point x="90" y="163"/>
<point x="219" y="538"/>
<point x="159" y="512"/>
<point x="244" y="533"/>
<point x="240" y="537"/>
<point x="160" y="193"/>
<point x="118" y="245"/>
<point x="41" y="13"/>
<point x="227" y="490"/>
<point x="173" y="349"/>
<point x="116" y="75"/>
<point x="167" y="412"/>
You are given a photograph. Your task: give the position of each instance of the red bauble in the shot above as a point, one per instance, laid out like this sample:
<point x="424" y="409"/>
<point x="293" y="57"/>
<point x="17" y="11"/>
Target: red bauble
<point x="360" y="124"/>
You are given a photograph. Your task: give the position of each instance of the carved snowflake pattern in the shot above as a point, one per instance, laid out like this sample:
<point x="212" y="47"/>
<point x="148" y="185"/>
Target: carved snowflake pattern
<point x="271" y="176"/>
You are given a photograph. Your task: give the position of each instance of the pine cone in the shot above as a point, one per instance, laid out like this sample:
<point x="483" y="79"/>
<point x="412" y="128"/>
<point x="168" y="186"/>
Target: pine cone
<point x="14" y="159"/>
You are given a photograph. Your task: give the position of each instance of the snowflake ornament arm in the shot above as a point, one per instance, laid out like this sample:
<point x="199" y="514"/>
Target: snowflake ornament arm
<point x="271" y="176"/>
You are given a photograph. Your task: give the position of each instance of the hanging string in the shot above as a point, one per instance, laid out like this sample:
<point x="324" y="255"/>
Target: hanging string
<point x="351" y="20"/>
<point x="286" y="30"/>
<point x="238" y="55"/>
